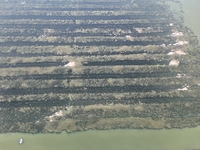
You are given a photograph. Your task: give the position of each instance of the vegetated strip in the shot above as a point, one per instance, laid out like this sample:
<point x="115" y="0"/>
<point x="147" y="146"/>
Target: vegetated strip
<point x="86" y="17"/>
<point x="28" y="115"/>
<point x="91" y="76"/>
<point x="93" y="43"/>
<point x="83" y="34"/>
<point x="87" y="8"/>
<point x="105" y="89"/>
<point x="10" y="23"/>
<point x="148" y="100"/>
<point x="85" y="13"/>
<point x="106" y="53"/>
<point x="40" y="26"/>
<point x="81" y="51"/>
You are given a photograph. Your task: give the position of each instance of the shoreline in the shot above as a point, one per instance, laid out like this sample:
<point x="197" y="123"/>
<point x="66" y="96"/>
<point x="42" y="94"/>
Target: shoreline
<point x="98" y="130"/>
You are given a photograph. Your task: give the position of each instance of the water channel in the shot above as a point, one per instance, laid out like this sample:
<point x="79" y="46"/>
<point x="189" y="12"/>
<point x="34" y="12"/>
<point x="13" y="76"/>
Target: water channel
<point x="136" y="139"/>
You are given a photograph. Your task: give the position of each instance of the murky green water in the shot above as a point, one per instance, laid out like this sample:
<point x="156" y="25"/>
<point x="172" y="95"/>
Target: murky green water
<point x="191" y="13"/>
<point x="173" y="139"/>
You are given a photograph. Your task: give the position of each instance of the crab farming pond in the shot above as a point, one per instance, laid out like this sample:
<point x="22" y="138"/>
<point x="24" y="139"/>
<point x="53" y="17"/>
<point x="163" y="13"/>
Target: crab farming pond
<point x="128" y="139"/>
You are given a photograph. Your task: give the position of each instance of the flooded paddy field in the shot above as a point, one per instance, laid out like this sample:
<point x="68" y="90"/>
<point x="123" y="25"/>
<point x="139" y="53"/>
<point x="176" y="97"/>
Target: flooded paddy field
<point x="73" y="65"/>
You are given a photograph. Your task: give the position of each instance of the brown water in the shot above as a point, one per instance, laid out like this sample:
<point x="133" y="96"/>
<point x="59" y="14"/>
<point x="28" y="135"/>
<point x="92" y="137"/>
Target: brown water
<point x="173" y="139"/>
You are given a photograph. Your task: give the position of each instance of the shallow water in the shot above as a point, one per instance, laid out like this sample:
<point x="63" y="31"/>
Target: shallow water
<point x="191" y="13"/>
<point x="173" y="139"/>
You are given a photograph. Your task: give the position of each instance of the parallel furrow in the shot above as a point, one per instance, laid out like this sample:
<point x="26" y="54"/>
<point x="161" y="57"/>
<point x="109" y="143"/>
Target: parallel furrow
<point x="106" y="89"/>
<point x="91" y="76"/>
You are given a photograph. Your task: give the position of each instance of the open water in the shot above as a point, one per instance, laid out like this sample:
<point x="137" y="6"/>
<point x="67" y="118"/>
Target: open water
<point x="191" y="13"/>
<point x="165" y="139"/>
<point x="171" y="139"/>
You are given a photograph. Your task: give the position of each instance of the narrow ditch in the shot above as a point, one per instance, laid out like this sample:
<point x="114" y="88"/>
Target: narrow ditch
<point x="35" y="64"/>
<point x="126" y="62"/>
